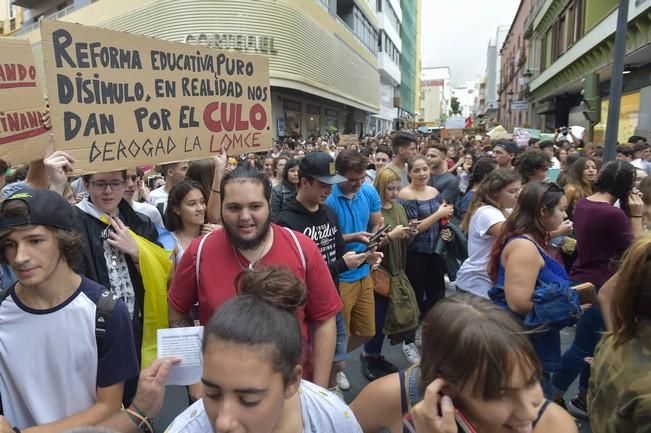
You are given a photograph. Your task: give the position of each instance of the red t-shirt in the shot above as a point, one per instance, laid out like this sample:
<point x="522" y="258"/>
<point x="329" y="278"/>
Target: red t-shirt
<point x="219" y="267"/>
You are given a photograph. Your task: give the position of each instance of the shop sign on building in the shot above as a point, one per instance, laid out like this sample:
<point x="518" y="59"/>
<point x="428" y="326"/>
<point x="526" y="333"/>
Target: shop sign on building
<point x="233" y="41"/>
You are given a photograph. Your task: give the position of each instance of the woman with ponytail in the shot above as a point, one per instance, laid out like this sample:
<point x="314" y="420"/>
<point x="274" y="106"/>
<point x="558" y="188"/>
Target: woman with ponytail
<point x="252" y="379"/>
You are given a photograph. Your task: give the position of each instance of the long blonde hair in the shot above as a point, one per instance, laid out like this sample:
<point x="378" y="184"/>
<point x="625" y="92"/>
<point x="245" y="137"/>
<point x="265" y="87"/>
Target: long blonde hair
<point x="382" y="179"/>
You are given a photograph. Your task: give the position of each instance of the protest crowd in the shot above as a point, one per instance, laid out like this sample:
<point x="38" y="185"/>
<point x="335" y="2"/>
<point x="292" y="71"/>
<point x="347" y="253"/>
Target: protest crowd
<point x="462" y="251"/>
<point x="251" y="269"/>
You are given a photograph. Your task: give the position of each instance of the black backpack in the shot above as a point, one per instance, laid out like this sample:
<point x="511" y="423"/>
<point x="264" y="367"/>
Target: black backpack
<point x="105" y="305"/>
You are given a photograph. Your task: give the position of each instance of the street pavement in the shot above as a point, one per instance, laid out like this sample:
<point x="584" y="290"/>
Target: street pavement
<point x="176" y="397"/>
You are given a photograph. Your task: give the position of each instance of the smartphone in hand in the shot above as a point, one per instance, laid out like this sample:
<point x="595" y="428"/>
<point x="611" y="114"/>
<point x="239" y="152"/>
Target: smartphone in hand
<point x="587" y="293"/>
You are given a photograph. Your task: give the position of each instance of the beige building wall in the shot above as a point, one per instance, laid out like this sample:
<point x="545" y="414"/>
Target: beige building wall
<point x="315" y="53"/>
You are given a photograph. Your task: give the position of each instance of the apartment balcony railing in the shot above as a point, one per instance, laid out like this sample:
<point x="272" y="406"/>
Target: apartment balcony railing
<point x="55" y="16"/>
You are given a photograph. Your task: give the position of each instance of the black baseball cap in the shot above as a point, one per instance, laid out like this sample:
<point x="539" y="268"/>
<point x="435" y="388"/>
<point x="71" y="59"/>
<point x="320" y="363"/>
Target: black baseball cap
<point x="46" y="208"/>
<point x="508" y="145"/>
<point x="321" y="166"/>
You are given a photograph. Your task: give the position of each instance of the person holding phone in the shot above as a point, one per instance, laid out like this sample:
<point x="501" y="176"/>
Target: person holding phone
<point x="603" y="232"/>
<point x="520" y="268"/>
<point x="397" y="314"/>
<point x="485" y="381"/>
<point x="425" y="268"/>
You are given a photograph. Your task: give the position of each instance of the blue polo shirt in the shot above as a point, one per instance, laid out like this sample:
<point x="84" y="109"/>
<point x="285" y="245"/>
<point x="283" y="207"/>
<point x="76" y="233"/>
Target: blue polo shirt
<point x="354" y="216"/>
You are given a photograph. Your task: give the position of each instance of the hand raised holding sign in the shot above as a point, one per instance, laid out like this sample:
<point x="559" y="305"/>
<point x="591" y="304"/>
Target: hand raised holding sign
<point x="58" y="165"/>
<point x="213" y="209"/>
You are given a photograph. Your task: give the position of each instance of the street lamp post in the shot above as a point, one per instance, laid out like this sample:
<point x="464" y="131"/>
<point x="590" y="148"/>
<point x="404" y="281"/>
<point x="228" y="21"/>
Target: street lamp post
<point x="616" y="83"/>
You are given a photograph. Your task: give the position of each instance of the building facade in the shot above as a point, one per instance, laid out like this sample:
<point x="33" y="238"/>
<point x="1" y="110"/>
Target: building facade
<point x="513" y="105"/>
<point x="323" y="54"/>
<point x="468" y="96"/>
<point x="11" y="18"/>
<point x="435" y="96"/>
<point x="409" y="64"/>
<point x="389" y="16"/>
<point x="570" y="39"/>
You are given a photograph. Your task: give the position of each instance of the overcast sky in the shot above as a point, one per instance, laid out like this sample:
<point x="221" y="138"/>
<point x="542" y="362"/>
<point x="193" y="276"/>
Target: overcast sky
<point x="455" y="33"/>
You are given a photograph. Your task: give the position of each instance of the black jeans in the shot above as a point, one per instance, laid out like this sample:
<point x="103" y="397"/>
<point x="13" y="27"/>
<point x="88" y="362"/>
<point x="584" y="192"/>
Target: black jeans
<point x="426" y="274"/>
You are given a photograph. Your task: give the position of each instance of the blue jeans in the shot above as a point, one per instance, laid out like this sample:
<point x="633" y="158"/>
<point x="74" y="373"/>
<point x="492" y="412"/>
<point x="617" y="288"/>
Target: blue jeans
<point x="374" y="346"/>
<point x="588" y="333"/>
<point x="340" y="345"/>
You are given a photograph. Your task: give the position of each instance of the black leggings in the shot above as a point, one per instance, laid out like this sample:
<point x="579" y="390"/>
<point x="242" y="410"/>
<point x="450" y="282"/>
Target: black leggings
<point x="426" y="275"/>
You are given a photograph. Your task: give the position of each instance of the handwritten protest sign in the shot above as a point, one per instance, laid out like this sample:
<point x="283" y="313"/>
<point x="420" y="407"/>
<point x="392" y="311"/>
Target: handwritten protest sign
<point x="348" y="139"/>
<point x="120" y="100"/>
<point x="23" y="138"/>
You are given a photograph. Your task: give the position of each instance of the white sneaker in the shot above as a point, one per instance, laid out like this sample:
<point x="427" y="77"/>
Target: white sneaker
<point x="342" y="381"/>
<point x="338" y="392"/>
<point x="411" y="352"/>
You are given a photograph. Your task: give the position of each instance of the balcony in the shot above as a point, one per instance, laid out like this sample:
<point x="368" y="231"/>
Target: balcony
<point x="28" y="4"/>
<point x="389" y="70"/>
<point x="34" y="26"/>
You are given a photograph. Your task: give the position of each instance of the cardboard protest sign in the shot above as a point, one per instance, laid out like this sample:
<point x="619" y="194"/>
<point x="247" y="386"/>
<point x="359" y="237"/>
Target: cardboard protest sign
<point x="120" y="100"/>
<point x="348" y="139"/>
<point x="454" y="133"/>
<point x="23" y="138"/>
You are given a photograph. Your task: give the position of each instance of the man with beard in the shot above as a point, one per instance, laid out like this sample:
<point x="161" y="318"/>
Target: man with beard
<point x="440" y="178"/>
<point x="248" y="241"/>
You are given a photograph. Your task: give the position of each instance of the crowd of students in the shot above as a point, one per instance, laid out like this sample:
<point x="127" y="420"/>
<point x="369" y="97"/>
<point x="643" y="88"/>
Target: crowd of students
<point x="294" y="258"/>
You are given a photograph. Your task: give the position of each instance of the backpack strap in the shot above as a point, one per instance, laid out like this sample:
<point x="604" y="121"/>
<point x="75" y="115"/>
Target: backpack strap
<point x="298" y="247"/>
<point x="198" y="260"/>
<point x="105" y="305"/>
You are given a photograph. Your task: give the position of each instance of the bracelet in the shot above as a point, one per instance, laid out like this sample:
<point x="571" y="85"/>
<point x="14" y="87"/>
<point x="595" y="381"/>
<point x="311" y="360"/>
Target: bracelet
<point x="142" y="422"/>
<point x="636" y="216"/>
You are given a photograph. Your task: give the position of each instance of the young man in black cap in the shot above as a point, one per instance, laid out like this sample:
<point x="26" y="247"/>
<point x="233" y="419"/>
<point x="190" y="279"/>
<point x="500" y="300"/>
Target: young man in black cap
<point x="307" y="213"/>
<point x="505" y="152"/>
<point x="58" y="371"/>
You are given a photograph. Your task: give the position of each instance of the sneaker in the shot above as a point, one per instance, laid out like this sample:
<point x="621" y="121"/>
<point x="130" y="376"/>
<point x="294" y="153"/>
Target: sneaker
<point x="342" y="381"/>
<point x="411" y="352"/>
<point x="375" y="366"/>
<point x="336" y="391"/>
<point x="577" y="406"/>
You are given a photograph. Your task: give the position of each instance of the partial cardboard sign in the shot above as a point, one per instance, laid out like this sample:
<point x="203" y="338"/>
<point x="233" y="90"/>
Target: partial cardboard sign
<point x="348" y="139"/>
<point x="23" y="138"/>
<point x="455" y="132"/>
<point x="121" y="100"/>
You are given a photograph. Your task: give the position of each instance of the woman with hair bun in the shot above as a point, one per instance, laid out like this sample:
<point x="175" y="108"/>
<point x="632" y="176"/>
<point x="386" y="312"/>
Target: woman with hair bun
<point x="251" y="372"/>
<point x="603" y="232"/>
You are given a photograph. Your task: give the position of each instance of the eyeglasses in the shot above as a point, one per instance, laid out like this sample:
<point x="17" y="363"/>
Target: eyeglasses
<point x="100" y="185"/>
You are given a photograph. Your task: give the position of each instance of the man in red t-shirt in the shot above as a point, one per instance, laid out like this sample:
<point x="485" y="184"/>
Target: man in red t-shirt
<point x="248" y="240"/>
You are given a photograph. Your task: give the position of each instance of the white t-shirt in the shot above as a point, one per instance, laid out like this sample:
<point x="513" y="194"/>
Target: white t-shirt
<point x="473" y="274"/>
<point x="159" y="195"/>
<point x="323" y="412"/>
<point x="50" y="365"/>
<point x="149" y="211"/>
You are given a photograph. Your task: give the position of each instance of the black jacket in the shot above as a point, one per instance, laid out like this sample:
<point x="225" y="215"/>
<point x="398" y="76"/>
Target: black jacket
<point x="322" y="227"/>
<point x="280" y="194"/>
<point x="93" y="264"/>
